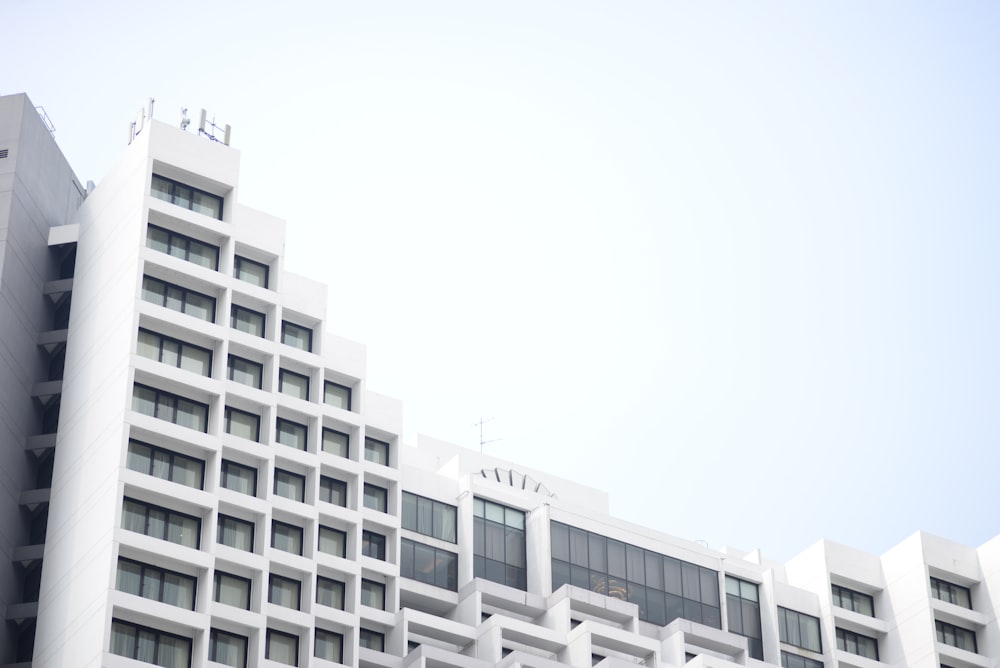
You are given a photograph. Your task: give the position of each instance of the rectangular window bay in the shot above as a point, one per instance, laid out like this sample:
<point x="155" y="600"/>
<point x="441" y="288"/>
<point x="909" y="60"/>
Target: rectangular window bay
<point x="177" y="298"/>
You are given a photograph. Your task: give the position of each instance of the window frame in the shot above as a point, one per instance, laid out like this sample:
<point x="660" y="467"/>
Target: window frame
<point x="231" y="371"/>
<point x="335" y="585"/>
<point x="486" y="530"/>
<point x="942" y="629"/>
<point x="157" y="634"/>
<point x="299" y="479"/>
<point x="184" y="298"/>
<point x="840" y="594"/>
<point x="373" y="447"/>
<point x="162" y="574"/>
<point x="845" y="637"/>
<point x="238" y="273"/>
<point x="291" y="636"/>
<point x="181" y="345"/>
<point x="213" y="653"/>
<point x="787" y="618"/>
<point x="329" y="486"/>
<point x="223" y="523"/>
<point x="949" y="592"/>
<point x="341" y="536"/>
<point x="346" y="393"/>
<point x="379" y="497"/>
<point x="252" y="316"/>
<point x="168" y="401"/>
<point x="297" y="426"/>
<point x="172" y="456"/>
<point x="278" y="583"/>
<point x="375" y="591"/>
<point x="366" y="637"/>
<point x="445" y="563"/>
<point x="225" y="474"/>
<point x="347" y="442"/>
<point x="169" y="514"/>
<point x="373" y="545"/>
<point x="230" y="412"/>
<point x="190" y="206"/>
<point x="285" y="526"/>
<point x="435" y="531"/>
<point x="217" y="580"/>
<point x="286" y="335"/>
<point x="339" y="658"/>
<point x="293" y="375"/>
<point x="173" y="237"/>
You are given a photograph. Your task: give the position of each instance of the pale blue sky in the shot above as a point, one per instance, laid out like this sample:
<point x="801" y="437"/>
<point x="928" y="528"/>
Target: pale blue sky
<point x="732" y="262"/>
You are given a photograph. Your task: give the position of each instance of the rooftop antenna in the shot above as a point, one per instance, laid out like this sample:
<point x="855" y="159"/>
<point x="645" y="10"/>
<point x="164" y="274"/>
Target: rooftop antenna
<point x="204" y="124"/>
<point x="185" y="121"/>
<point x="482" y="442"/>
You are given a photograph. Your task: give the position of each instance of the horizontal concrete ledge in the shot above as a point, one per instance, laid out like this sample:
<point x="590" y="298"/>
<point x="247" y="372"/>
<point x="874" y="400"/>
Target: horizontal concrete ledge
<point x="25" y="554"/>
<point x="40" y="442"/>
<point x="64" y="234"/>
<point x="34" y="497"/>
<point x="18" y="612"/>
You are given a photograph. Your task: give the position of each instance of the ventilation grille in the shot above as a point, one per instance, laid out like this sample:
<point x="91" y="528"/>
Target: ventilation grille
<point x="3" y="152"/>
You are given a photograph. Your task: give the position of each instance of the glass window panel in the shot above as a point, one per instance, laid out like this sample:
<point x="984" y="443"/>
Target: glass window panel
<point x="289" y="485"/>
<point x="129" y="577"/>
<point x="183" y="530"/>
<point x="247" y="320"/>
<point x="338" y="396"/>
<point x="204" y="203"/>
<point x="446" y="522"/>
<point x="690" y="581"/>
<point x="286" y="537"/>
<point x="294" y="384"/>
<point x="494" y="512"/>
<point x="635" y="564"/>
<point x="425" y="516"/>
<point x="330" y="593"/>
<point x="242" y="424"/>
<point x="148" y="345"/>
<point x="333" y="491"/>
<point x="291" y="434"/>
<point x="284" y="592"/>
<point x="235" y="533"/>
<point x="376" y="451"/>
<point x="332" y="541"/>
<point x="144" y="400"/>
<point x="375" y="497"/>
<point x="282" y="648"/>
<point x="228" y="649"/>
<point x="329" y="646"/>
<point x="514" y="518"/>
<point x="296" y="336"/>
<point x="409" y="511"/>
<point x="232" y="590"/>
<point x="675" y="607"/>
<point x="597" y="550"/>
<point x="251" y="271"/>
<point x="672" y="576"/>
<point x="239" y="478"/>
<point x="579" y="549"/>
<point x="335" y="442"/>
<point x="616" y="558"/>
<point x="178" y="590"/>
<point x="709" y="587"/>
<point x="423" y="563"/>
<point x="158" y="239"/>
<point x="373" y="594"/>
<point x="654" y="570"/>
<point x="170" y="352"/>
<point x="245" y="371"/>
<point x="197" y="360"/>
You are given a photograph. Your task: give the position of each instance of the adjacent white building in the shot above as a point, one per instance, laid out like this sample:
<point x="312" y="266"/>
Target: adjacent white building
<point x="194" y="473"/>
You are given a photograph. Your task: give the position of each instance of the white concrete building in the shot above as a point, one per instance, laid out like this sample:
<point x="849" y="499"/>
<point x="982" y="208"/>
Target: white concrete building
<point x="225" y="490"/>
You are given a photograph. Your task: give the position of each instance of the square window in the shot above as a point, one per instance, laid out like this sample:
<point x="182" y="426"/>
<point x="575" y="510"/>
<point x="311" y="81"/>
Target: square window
<point x="289" y="485"/>
<point x="282" y="648"/>
<point x="329" y="646"/>
<point x="332" y="541"/>
<point x="284" y="592"/>
<point x="242" y="424"/>
<point x="333" y="491"/>
<point x="336" y="442"/>
<point x="330" y="593"/>
<point x="296" y="336"/>
<point x="376" y="451"/>
<point x="250" y="271"/>
<point x="371" y="640"/>
<point x="239" y="478"/>
<point x="286" y="537"/>
<point x="226" y="648"/>
<point x="376" y="497"/>
<point x="247" y="320"/>
<point x="235" y="533"/>
<point x="246" y="372"/>
<point x="232" y="590"/>
<point x="293" y="384"/>
<point x="291" y="434"/>
<point x="336" y="395"/>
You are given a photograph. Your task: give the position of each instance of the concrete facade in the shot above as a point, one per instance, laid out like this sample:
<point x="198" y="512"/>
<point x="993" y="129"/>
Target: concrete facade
<point x="225" y="489"/>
